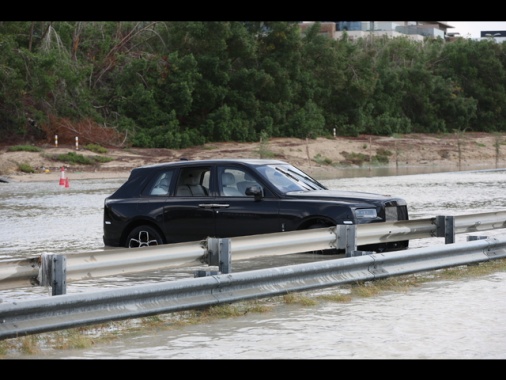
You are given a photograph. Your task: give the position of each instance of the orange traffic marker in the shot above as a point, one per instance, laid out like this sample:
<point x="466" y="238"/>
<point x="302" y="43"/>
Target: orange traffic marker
<point x="62" y="176"/>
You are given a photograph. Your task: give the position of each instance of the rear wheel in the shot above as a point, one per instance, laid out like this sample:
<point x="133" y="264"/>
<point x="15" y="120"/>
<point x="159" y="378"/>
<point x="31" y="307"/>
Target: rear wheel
<point x="143" y="236"/>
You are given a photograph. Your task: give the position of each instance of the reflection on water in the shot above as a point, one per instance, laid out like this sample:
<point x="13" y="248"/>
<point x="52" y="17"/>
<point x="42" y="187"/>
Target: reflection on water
<point x="454" y="319"/>
<point x="381" y="171"/>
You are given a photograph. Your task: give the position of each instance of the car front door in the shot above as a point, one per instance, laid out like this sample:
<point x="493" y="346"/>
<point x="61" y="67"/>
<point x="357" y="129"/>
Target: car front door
<point x="237" y="214"/>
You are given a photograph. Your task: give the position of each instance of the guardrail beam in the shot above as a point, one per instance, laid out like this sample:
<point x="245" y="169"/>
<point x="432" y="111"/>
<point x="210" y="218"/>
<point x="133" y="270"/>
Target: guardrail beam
<point x="81" y="266"/>
<point x="75" y="310"/>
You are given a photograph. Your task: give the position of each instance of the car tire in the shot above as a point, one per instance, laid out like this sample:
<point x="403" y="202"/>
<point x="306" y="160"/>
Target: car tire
<point x="143" y="236"/>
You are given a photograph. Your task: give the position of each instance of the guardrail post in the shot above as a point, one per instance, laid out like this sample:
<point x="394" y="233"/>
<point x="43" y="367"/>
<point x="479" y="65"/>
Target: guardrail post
<point x="225" y="264"/>
<point x="58" y="275"/>
<point x="213" y="250"/>
<point x="218" y="254"/>
<point x="53" y="273"/>
<point x="346" y="238"/>
<point x="445" y="227"/>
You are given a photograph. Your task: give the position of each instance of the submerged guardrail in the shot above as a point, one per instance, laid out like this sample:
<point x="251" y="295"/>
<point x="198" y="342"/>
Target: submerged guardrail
<point x="59" y="270"/>
<point x="70" y="311"/>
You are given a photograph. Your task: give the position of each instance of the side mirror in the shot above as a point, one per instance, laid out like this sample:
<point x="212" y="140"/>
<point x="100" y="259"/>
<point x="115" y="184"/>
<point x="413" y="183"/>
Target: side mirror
<point x="256" y="191"/>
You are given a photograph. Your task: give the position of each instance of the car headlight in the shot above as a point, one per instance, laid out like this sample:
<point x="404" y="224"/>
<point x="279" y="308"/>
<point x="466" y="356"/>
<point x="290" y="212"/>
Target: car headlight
<point x="369" y="213"/>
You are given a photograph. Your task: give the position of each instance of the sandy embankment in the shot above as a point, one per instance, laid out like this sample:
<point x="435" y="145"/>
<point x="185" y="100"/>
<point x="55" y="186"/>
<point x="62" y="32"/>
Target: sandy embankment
<point x="319" y="157"/>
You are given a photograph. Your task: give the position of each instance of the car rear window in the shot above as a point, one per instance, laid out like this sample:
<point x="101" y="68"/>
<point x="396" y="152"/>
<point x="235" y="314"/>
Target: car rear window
<point x="160" y="186"/>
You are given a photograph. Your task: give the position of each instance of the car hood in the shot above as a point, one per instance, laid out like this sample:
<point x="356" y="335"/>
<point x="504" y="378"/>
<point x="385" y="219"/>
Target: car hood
<point x="342" y="195"/>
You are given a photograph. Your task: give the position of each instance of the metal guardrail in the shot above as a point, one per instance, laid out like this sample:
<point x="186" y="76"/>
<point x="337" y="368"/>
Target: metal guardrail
<point x="70" y="311"/>
<point x="82" y="266"/>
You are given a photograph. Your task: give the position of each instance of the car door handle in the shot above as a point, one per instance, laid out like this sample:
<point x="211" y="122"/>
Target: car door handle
<point x="214" y="205"/>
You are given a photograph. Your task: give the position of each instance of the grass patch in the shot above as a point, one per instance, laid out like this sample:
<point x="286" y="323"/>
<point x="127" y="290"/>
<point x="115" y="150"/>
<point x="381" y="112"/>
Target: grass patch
<point x="354" y="158"/>
<point x="79" y="159"/>
<point x="26" y="168"/>
<point x="264" y="151"/>
<point x="102" y="159"/>
<point x="24" y="148"/>
<point x="222" y="311"/>
<point x="72" y="339"/>
<point x="95" y="148"/>
<point x="319" y="159"/>
<point x="382" y="156"/>
<point x="336" y="297"/>
<point x="28" y="345"/>
<point x="299" y="299"/>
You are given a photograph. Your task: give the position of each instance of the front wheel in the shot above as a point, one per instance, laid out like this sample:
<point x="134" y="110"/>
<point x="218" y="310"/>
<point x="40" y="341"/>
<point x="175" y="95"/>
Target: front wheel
<point x="330" y="251"/>
<point x="143" y="236"/>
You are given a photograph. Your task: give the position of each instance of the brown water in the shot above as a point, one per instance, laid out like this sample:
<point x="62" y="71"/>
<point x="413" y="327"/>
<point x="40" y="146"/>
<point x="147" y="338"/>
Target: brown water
<point x="458" y="319"/>
<point x="462" y="319"/>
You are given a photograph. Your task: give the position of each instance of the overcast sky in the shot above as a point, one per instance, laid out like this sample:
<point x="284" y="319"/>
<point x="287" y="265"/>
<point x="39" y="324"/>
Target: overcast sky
<point x="472" y="29"/>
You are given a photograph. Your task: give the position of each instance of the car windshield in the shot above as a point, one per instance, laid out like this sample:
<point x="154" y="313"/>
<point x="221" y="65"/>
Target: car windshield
<point x="288" y="178"/>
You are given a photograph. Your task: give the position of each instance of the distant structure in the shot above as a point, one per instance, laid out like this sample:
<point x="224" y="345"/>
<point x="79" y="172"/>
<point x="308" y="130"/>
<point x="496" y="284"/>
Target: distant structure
<point x="497" y="35"/>
<point x="414" y="30"/>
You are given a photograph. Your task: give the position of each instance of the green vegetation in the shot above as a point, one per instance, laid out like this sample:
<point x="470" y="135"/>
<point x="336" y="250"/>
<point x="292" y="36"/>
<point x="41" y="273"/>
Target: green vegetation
<point x="299" y="299"/>
<point x="79" y="159"/>
<point x="102" y="159"/>
<point x="319" y="159"/>
<point x="264" y="151"/>
<point x="24" y="148"/>
<point x="174" y="84"/>
<point x="382" y="156"/>
<point x="354" y="158"/>
<point x="26" y="168"/>
<point x="96" y="148"/>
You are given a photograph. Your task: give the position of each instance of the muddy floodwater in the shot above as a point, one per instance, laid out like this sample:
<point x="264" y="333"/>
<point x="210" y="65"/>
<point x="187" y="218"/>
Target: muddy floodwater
<point x="452" y="319"/>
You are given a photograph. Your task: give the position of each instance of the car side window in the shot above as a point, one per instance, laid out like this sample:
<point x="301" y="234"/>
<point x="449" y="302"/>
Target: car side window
<point x="245" y="181"/>
<point x="193" y="182"/>
<point x="233" y="182"/>
<point x="161" y="185"/>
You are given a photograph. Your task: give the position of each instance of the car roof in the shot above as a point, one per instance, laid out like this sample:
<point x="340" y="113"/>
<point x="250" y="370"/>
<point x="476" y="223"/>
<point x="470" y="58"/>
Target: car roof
<point x="245" y="161"/>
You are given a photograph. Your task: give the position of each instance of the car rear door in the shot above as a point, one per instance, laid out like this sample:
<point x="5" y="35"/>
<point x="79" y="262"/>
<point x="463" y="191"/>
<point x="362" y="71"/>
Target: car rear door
<point x="188" y="213"/>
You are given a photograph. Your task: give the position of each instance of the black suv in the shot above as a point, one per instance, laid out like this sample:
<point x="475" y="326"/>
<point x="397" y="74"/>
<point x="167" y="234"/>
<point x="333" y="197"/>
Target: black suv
<point x="191" y="200"/>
